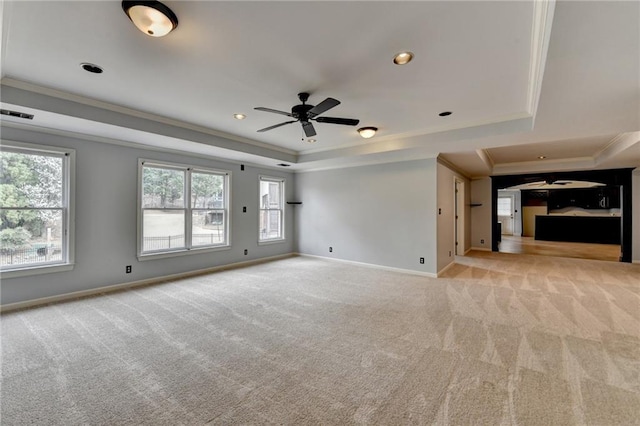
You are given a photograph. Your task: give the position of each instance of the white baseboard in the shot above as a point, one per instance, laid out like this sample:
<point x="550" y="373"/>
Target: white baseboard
<point x="481" y="249"/>
<point x="442" y="271"/>
<point x="128" y="285"/>
<point x="635" y="261"/>
<point x="372" y="265"/>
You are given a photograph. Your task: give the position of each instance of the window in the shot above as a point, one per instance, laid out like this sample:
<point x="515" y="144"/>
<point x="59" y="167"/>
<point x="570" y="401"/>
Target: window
<point x="271" y="209"/>
<point x="182" y="208"/>
<point x="35" y="209"/>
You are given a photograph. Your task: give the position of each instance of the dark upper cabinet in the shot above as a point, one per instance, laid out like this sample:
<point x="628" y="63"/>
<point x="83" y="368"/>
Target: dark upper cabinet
<point x="586" y="198"/>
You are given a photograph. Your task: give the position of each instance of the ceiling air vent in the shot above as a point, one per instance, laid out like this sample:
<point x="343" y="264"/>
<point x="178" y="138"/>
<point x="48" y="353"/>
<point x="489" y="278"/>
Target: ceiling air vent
<point x="16" y="114"/>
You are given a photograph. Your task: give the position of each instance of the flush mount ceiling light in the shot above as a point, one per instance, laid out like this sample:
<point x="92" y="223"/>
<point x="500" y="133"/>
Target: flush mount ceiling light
<point x="239" y="116"/>
<point x="403" y="58"/>
<point x="367" y="132"/>
<point x="151" y="17"/>
<point x="542" y="157"/>
<point x="311" y="140"/>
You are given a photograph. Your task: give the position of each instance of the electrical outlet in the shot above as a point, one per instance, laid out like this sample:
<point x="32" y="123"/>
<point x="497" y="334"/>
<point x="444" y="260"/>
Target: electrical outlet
<point x="330" y="249"/>
<point x="244" y="210"/>
<point x="246" y="252"/>
<point x="481" y="241"/>
<point x="449" y="254"/>
<point x="128" y="269"/>
<point x="422" y="260"/>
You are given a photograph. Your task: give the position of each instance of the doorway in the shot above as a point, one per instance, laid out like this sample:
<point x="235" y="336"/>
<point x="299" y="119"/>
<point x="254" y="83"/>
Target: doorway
<point x="505" y="213"/>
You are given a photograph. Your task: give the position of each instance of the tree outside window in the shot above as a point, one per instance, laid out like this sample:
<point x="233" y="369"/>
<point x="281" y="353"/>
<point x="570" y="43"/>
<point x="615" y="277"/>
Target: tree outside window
<point x="34" y="208"/>
<point x="182" y="208"/>
<point x="271" y="226"/>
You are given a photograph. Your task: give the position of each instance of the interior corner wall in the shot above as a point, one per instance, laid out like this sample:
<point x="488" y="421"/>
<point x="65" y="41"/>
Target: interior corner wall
<point x="446" y="215"/>
<point x="106" y="220"/>
<point x="481" y="214"/>
<point x="635" y="225"/>
<point x="381" y="214"/>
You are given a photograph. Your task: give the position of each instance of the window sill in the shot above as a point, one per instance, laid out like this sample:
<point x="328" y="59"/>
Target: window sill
<point x="269" y="242"/>
<point x="181" y="252"/>
<point x="36" y="270"/>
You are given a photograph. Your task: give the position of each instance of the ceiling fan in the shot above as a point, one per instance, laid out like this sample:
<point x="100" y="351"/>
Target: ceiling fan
<point x="306" y="113"/>
<point x="551" y="181"/>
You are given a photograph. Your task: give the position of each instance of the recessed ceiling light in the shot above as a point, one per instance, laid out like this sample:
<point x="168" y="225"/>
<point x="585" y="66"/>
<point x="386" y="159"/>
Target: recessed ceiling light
<point x="91" y="68"/>
<point x="445" y="114"/>
<point x="151" y="17"/>
<point x="403" y="58"/>
<point x="311" y="140"/>
<point x="239" y="116"/>
<point x="367" y="132"/>
<point x="542" y="157"/>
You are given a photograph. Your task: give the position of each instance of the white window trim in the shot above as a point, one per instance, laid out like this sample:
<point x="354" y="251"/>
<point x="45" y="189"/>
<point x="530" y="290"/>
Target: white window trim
<point x="282" y="182"/>
<point x="69" y="217"/>
<point x="187" y="196"/>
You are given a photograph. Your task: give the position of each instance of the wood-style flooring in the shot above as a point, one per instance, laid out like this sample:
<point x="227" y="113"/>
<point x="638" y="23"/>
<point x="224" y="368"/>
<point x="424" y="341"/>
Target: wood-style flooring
<point x="528" y="245"/>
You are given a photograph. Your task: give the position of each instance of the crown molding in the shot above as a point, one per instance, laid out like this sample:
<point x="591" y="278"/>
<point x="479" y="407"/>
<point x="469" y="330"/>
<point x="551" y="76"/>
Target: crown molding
<point x="543" y="11"/>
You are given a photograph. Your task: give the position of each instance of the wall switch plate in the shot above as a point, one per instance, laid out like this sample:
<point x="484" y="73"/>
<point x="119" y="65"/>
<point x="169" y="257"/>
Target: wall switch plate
<point x="422" y="260"/>
<point x="127" y="269"/>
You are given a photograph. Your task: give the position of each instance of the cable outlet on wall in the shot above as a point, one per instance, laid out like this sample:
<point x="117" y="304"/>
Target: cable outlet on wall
<point x="127" y="269"/>
<point x="330" y="249"/>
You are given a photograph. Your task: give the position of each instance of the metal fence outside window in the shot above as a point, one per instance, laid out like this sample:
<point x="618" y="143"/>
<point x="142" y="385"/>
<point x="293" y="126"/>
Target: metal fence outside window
<point x="177" y="241"/>
<point x="30" y="255"/>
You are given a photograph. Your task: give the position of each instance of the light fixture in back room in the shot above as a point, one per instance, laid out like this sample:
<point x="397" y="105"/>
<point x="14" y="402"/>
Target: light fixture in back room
<point x="151" y="17"/>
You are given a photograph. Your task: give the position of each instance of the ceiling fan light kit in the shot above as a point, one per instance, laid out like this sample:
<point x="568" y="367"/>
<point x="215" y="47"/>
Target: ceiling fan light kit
<point x="367" y="132"/>
<point x="151" y="17"/>
<point x="306" y="113"/>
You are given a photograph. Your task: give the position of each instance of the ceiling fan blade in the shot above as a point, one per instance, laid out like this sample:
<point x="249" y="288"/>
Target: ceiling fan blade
<point x="277" y="125"/>
<point x="274" y="111"/>
<point x="323" y="106"/>
<point x="309" y="130"/>
<point x="336" y="120"/>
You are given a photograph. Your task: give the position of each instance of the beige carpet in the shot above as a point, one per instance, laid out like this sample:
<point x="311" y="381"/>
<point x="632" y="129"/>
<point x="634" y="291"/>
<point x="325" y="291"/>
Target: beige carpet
<point x="503" y="339"/>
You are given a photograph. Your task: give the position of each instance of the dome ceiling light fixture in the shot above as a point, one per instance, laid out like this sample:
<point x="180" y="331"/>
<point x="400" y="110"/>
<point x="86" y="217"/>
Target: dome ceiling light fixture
<point x="151" y="17"/>
<point x="239" y="116"/>
<point x="367" y="132"/>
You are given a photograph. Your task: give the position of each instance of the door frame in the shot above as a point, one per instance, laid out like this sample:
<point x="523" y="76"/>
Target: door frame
<point x="459" y="206"/>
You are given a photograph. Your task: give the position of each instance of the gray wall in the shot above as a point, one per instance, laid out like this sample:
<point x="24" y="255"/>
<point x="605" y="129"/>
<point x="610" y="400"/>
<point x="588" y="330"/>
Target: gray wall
<point x="446" y="216"/>
<point x="383" y="214"/>
<point x="106" y="217"/>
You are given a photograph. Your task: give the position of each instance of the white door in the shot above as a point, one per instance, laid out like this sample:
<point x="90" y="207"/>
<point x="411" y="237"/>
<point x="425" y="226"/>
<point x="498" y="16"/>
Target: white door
<point x="505" y="213"/>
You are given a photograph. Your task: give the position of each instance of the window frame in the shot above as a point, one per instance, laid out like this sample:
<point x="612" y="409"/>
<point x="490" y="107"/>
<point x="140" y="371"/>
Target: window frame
<point x="188" y="248"/>
<point x="281" y="182"/>
<point x="68" y="156"/>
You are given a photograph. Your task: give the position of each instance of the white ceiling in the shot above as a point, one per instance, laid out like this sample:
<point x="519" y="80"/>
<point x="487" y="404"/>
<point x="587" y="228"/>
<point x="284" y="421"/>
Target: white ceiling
<point x="518" y="76"/>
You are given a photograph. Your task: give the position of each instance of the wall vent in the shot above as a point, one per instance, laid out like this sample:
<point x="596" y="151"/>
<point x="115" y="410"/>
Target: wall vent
<point x="16" y="114"/>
